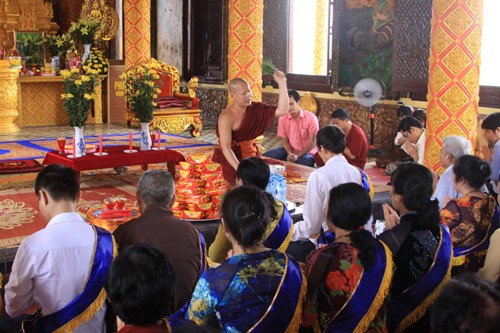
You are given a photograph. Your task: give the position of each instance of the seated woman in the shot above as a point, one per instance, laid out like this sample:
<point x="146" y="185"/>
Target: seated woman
<point x="254" y="171"/>
<point x="348" y="281"/>
<point x="257" y="288"/>
<point x="471" y="218"/>
<point x="421" y="248"/>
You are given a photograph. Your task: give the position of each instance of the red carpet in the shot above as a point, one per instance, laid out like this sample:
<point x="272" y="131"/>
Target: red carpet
<point x="19" y="215"/>
<point x="19" y="166"/>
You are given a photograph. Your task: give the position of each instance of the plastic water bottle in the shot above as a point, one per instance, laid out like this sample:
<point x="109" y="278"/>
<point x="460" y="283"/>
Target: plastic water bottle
<point x="281" y="188"/>
<point x="271" y="186"/>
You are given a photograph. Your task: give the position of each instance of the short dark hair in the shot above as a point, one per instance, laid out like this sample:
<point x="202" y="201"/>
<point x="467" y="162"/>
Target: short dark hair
<point x="407" y="122"/>
<point x="414" y="182"/>
<point x="404" y="110"/>
<point x="140" y="285"/>
<point x="476" y="300"/>
<point x="420" y="115"/>
<point x="472" y="169"/>
<point x="246" y="212"/>
<point x="294" y="94"/>
<point x="254" y="171"/>
<point x="350" y="207"/>
<point x="491" y="122"/>
<point x="341" y="114"/>
<point x="331" y="138"/>
<point x="60" y="182"/>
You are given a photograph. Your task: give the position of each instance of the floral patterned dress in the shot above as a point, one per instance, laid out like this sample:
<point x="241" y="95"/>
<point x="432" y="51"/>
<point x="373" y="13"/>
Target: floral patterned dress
<point x="333" y="273"/>
<point x="237" y="293"/>
<point x="469" y="219"/>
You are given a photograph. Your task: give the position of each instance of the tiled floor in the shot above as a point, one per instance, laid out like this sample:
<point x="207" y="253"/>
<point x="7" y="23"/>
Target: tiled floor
<point x="208" y="133"/>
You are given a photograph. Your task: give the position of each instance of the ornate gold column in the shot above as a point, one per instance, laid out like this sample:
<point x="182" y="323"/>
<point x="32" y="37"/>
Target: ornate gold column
<point x="8" y="98"/>
<point x="319" y="44"/>
<point x="453" y="73"/>
<point x="245" y="43"/>
<point x="137" y="31"/>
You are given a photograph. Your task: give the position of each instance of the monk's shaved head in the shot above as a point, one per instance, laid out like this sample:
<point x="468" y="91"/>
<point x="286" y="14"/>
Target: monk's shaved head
<point x="235" y="83"/>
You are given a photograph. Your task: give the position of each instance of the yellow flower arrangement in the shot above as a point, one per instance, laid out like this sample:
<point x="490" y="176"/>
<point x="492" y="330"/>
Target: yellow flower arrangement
<point x="97" y="61"/>
<point x="59" y="44"/>
<point x="78" y="94"/>
<point x="85" y="29"/>
<point x="142" y="86"/>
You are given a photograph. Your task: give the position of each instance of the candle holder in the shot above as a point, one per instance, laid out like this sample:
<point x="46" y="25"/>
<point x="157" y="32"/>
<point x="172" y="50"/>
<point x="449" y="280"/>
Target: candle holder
<point x="101" y="154"/>
<point x="128" y="151"/>
<point x="156" y="148"/>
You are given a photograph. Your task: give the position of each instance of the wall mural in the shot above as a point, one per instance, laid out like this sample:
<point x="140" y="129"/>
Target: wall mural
<point x="365" y="35"/>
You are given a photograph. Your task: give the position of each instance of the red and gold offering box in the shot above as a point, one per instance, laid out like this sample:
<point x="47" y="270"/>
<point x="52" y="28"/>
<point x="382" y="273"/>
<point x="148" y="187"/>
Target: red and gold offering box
<point x="200" y="188"/>
<point x="112" y="214"/>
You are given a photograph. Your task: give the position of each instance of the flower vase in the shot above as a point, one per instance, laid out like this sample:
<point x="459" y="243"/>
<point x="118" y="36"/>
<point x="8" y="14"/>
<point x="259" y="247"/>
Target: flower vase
<point x="80" y="148"/>
<point x="86" y="52"/>
<point x="145" y="136"/>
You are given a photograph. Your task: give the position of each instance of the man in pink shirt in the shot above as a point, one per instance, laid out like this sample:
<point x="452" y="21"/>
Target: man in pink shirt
<point x="298" y="130"/>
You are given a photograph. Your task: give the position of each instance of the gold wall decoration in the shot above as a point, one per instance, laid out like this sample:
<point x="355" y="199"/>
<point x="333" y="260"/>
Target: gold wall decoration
<point x="24" y="15"/>
<point x="245" y="43"/>
<point x="454" y="63"/>
<point x="100" y="10"/>
<point x="319" y="41"/>
<point x="137" y="34"/>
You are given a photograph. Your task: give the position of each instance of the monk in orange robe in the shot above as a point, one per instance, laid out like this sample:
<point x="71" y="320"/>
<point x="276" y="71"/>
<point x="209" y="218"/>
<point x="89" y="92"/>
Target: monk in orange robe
<point x="242" y="121"/>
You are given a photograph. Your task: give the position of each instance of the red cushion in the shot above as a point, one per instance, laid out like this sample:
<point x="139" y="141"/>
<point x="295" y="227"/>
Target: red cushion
<point x="166" y="86"/>
<point x="168" y="102"/>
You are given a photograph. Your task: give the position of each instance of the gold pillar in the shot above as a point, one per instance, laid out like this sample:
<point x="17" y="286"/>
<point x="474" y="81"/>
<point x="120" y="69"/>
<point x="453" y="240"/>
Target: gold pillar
<point x="453" y="73"/>
<point x="319" y="43"/>
<point x="137" y="31"/>
<point x="8" y="98"/>
<point x="245" y="43"/>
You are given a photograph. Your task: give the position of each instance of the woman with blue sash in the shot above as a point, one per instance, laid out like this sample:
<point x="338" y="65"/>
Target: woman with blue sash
<point x="472" y="218"/>
<point x="348" y="281"/>
<point x="257" y="289"/>
<point x="255" y="171"/>
<point x="421" y="248"/>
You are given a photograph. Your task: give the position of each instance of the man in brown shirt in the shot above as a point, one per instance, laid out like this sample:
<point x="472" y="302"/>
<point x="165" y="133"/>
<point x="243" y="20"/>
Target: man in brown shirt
<point x="179" y="240"/>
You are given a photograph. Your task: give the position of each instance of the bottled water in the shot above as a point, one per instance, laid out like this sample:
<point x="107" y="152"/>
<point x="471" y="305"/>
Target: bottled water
<point x="271" y="186"/>
<point x="281" y="188"/>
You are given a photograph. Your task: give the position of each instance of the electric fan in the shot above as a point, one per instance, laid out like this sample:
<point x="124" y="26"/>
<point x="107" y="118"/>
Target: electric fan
<point x="368" y="92"/>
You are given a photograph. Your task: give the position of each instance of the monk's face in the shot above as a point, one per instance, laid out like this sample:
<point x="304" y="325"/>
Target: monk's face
<point x="242" y="95"/>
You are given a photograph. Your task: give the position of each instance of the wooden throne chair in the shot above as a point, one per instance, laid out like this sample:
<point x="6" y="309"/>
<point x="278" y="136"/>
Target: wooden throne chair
<point x="175" y="112"/>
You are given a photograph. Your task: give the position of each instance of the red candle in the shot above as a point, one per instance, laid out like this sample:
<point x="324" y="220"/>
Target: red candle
<point x="159" y="139"/>
<point x="100" y="144"/>
<point x="74" y="147"/>
<point x="130" y="142"/>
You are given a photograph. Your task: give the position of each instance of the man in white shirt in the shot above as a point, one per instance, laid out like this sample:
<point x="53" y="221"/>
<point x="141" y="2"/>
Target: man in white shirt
<point x="414" y="132"/>
<point x="52" y="267"/>
<point x="453" y="147"/>
<point x="331" y="143"/>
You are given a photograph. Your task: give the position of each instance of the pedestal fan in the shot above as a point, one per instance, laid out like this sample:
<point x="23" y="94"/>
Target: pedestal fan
<point x="368" y="92"/>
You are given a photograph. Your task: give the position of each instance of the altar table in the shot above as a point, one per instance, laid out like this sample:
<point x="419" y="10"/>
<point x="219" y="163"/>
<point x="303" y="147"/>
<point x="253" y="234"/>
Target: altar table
<point x="116" y="158"/>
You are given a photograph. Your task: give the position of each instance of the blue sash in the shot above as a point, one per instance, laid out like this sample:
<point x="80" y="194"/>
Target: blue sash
<point x="411" y="305"/>
<point x="286" y="308"/>
<point x="483" y="244"/>
<point x="369" y="295"/>
<point x="103" y="257"/>
<point x="281" y="230"/>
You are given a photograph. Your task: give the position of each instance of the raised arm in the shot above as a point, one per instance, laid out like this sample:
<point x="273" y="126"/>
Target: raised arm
<point x="280" y="79"/>
<point x="226" y="137"/>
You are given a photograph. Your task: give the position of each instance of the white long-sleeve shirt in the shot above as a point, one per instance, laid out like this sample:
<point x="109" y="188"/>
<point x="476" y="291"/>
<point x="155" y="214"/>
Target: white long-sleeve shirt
<point x="445" y="187"/>
<point x="51" y="267"/>
<point x="336" y="171"/>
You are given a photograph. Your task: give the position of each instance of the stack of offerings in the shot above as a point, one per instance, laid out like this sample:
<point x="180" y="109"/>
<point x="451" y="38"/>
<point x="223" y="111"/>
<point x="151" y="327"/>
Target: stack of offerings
<point x="200" y="189"/>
